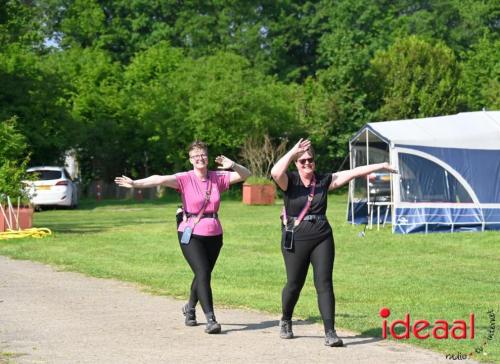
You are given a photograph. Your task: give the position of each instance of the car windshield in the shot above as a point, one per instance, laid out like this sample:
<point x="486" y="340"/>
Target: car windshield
<point x="46" y="175"/>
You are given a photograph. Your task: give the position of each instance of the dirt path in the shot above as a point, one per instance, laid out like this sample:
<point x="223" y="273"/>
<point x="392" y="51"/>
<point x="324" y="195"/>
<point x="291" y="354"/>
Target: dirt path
<point x="48" y="316"/>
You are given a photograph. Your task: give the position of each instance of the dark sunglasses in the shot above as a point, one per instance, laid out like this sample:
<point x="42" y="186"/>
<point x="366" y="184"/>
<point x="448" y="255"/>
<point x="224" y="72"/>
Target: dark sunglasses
<point x="308" y="160"/>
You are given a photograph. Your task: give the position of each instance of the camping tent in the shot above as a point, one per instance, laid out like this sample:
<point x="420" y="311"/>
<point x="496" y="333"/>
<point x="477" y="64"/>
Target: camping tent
<point x="448" y="173"/>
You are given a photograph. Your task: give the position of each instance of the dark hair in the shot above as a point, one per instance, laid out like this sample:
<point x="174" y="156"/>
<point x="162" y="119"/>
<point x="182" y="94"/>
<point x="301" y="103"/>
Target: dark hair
<point x="197" y="144"/>
<point x="309" y="150"/>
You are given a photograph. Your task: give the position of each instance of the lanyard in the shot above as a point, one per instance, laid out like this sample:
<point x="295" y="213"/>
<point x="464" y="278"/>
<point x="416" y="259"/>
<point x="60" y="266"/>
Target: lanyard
<point x="205" y="203"/>
<point x="306" y="207"/>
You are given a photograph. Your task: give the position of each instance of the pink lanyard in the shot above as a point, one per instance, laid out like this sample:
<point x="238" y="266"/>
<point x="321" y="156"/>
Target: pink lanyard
<point x="205" y="203"/>
<point x="306" y="207"/>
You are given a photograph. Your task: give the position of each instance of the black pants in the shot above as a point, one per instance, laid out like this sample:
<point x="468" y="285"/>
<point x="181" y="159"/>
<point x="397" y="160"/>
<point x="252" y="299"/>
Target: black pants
<point x="201" y="253"/>
<point x="321" y="254"/>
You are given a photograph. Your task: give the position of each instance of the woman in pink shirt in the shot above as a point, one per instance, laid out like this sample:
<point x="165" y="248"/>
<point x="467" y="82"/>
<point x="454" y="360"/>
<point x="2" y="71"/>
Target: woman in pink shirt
<point x="200" y="190"/>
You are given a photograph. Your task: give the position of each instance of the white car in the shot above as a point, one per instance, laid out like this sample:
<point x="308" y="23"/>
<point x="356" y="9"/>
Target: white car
<point x="51" y="186"/>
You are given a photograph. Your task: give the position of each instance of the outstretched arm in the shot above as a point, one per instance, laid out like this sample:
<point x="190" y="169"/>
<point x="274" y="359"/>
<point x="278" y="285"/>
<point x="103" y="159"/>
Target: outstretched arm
<point x="151" y="181"/>
<point x="341" y="178"/>
<point x="240" y="173"/>
<point x="278" y="172"/>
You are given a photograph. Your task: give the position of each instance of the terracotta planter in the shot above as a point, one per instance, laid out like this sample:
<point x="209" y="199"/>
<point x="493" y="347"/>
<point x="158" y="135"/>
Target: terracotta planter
<point x="259" y="194"/>
<point x="25" y="218"/>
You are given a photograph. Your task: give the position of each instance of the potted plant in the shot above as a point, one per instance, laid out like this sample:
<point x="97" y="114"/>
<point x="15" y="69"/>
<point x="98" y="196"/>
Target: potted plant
<point x="260" y="155"/>
<point x="15" y="210"/>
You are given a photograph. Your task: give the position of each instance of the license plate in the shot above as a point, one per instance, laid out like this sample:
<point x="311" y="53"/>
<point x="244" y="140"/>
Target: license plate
<point x="43" y="187"/>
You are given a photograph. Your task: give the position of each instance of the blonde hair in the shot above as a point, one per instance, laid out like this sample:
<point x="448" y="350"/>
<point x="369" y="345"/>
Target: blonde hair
<point x="197" y="144"/>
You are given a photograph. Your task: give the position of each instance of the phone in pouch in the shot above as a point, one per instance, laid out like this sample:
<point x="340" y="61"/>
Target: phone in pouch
<point x="186" y="235"/>
<point x="288" y="240"/>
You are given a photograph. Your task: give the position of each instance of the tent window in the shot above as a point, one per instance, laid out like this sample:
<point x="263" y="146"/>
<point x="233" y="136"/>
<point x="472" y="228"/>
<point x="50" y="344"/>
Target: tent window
<point x="380" y="188"/>
<point x="424" y="181"/>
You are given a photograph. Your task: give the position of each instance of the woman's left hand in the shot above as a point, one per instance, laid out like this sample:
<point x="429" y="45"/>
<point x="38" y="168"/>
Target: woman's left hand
<point x="225" y="163"/>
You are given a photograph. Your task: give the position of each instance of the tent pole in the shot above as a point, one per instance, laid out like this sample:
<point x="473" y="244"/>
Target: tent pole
<point x="394" y="161"/>
<point x="351" y="185"/>
<point x="368" y="180"/>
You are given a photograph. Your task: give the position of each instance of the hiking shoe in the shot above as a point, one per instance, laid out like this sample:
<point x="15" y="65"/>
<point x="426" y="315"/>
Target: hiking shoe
<point x="190" y="314"/>
<point x="331" y="339"/>
<point x="286" y="329"/>
<point x="213" y="327"/>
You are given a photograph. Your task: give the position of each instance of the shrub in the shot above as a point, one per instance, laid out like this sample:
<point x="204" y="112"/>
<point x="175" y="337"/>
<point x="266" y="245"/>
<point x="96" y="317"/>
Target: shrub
<point x="14" y="158"/>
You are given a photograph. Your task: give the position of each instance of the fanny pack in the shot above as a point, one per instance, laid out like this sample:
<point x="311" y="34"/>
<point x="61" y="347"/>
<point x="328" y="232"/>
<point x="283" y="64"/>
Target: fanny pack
<point x="211" y="215"/>
<point x="291" y="223"/>
<point x="181" y="216"/>
<point x="312" y="218"/>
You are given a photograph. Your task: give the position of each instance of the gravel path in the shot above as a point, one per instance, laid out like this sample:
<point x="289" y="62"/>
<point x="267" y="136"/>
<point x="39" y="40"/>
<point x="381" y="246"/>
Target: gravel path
<point x="48" y="316"/>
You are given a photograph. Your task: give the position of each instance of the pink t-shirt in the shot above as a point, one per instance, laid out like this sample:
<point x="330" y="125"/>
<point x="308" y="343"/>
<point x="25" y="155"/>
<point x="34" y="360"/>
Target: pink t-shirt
<point x="193" y="192"/>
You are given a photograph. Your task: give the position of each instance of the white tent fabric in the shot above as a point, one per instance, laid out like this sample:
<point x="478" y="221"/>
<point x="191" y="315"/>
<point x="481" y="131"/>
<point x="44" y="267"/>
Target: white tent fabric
<point x="472" y="130"/>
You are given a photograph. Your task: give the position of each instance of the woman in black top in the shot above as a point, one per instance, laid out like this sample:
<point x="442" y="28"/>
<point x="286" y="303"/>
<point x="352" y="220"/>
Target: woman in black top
<point x="312" y="241"/>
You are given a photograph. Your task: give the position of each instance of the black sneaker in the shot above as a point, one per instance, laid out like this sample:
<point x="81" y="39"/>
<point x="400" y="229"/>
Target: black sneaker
<point x="190" y="314"/>
<point x="331" y="339"/>
<point x="286" y="329"/>
<point x="213" y="327"/>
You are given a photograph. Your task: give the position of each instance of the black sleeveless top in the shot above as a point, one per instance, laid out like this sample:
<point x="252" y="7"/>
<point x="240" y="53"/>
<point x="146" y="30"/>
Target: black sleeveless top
<point x="295" y="198"/>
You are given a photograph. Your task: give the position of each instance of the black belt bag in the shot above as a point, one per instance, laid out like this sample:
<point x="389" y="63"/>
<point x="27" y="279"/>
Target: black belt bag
<point x="289" y="231"/>
<point x="180" y="213"/>
<point x="312" y="218"/>
<point x="212" y="215"/>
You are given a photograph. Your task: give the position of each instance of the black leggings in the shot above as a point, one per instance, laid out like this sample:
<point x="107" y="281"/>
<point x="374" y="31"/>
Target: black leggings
<point x="201" y="253"/>
<point x="321" y="254"/>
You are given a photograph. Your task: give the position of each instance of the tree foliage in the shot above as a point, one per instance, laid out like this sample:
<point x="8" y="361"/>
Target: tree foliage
<point x="128" y="84"/>
<point x="416" y="79"/>
<point x="14" y="158"/>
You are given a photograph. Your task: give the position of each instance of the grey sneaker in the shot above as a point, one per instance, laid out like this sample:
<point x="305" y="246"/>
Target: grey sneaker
<point x="213" y="327"/>
<point x="286" y="329"/>
<point x="190" y="314"/>
<point x="331" y="339"/>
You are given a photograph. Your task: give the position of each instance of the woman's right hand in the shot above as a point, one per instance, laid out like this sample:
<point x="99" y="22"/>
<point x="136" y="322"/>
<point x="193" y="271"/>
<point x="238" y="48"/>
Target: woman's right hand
<point x="124" y="181"/>
<point x="301" y="146"/>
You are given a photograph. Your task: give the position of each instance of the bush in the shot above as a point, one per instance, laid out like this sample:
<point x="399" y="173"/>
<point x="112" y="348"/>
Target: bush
<point x="14" y="158"/>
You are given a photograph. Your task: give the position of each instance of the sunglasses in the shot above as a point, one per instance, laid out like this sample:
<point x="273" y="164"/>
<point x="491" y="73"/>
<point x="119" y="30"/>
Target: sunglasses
<point x="308" y="160"/>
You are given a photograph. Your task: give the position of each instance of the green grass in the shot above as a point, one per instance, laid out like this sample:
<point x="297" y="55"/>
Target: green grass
<point x="7" y="357"/>
<point x="435" y="276"/>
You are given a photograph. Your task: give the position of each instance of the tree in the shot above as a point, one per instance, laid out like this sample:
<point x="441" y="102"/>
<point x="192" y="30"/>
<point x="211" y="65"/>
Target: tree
<point x="92" y="89"/>
<point x="223" y="100"/>
<point x="151" y="105"/>
<point x="260" y="154"/>
<point x="481" y="76"/>
<point x="416" y="79"/>
<point x="329" y="118"/>
<point x="14" y="158"/>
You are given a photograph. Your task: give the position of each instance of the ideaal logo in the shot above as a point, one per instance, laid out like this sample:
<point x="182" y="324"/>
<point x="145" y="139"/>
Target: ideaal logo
<point x="441" y="329"/>
<point x="459" y="329"/>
